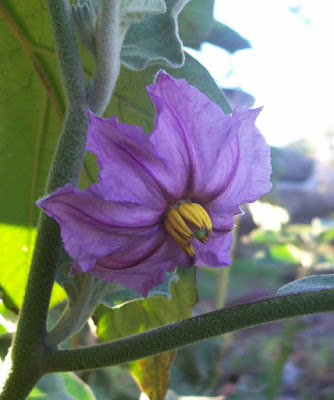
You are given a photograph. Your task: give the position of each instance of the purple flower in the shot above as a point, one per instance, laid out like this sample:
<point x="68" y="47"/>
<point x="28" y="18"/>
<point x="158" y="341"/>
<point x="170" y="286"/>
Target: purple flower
<point x="166" y="199"/>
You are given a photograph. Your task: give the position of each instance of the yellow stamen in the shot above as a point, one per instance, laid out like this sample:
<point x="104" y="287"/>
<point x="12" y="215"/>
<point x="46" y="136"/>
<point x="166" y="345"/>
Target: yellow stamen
<point x="190" y="214"/>
<point x="177" y="222"/>
<point x="204" y="215"/>
<point x="185" y="244"/>
<point x="188" y="220"/>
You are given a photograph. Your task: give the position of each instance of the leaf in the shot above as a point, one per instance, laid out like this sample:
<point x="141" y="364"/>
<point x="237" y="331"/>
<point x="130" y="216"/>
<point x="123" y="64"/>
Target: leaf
<point x="117" y="294"/>
<point x="151" y="312"/>
<point x="312" y="282"/>
<point x="223" y="36"/>
<point x="132" y="104"/>
<point x="16" y="245"/>
<point x="261" y="236"/>
<point x="137" y="10"/>
<point x="64" y="386"/>
<point x="32" y="108"/>
<point x="5" y="342"/>
<point x="155" y="40"/>
<point x="151" y="374"/>
<point x="140" y="315"/>
<point x="195" y="22"/>
<point x="197" y="25"/>
<point x="326" y="236"/>
<point x="286" y="254"/>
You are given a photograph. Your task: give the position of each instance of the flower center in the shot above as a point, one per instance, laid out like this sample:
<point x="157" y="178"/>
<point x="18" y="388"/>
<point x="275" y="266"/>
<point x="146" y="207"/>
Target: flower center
<point x="185" y="220"/>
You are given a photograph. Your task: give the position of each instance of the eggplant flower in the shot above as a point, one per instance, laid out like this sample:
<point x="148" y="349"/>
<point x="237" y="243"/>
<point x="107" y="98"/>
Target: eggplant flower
<point x="166" y="199"/>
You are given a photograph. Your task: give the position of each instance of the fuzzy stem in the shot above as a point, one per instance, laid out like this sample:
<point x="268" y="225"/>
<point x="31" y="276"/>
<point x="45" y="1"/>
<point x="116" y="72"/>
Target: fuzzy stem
<point x="28" y="348"/>
<point x="108" y="54"/>
<point x="173" y="336"/>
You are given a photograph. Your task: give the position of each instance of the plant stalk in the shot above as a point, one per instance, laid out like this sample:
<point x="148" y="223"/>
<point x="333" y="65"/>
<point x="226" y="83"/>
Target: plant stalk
<point x="28" y="347"/>
<point x="189" y="331"/>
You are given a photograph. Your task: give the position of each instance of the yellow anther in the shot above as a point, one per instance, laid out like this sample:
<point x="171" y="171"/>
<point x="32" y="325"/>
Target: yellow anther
<point x="185" y="244"/>
<point x="178" y="223"/>
<point x="186" y="221"/>
<point x="203" y="214"/>
<point x="190" y="215"/>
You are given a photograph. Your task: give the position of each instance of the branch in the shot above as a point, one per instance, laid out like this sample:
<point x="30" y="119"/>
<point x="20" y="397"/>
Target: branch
<point x="205" y="326"/>
<point x="27" y="354"/>
<point x="108" y="54"/>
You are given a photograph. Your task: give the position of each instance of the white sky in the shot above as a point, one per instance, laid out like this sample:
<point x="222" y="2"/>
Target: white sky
<point x="290" y="69"/>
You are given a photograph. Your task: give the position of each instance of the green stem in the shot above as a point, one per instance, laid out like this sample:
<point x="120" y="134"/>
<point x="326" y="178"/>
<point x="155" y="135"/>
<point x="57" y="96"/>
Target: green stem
<point x="108" y="55"/>
<point x="289" y="328"/>
<point x="28" y="348"/>
<point x="173" y="336"/>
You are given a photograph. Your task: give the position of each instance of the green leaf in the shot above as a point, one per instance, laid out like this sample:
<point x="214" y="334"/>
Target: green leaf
<point x="137" y="10"/>
<point x="5" y="342"/>
<point x="223" y="36"/>
<point x="140" y="315"/>
<point x="195" y="22"/>
<point x="16" y="245"/>
<point x="155" y="40"/>
<point x="286" y="254"/>
<point x="261" y="236"/>
<point x="326" y="236"/>
<point x="32" y="108"/>
<point x="132" y="104"/>
<point x="151" y="374"/>
<point x="311" y="282"/>
<point x="197" y="25"/>
<point x="151" y="312"/>
<point x="118" y="294"/>
<point x="64" y="386"/>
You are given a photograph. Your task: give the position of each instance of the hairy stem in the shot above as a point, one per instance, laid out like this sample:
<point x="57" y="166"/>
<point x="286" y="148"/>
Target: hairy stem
<point x="28" y="348"/>
<point x="108" y="53"/>
<point x="173" y="336"/>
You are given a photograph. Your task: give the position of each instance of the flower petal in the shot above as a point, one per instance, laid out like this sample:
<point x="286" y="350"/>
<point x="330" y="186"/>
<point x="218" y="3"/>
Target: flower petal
<point x="92" y="227"/>
<point x="246" y="168"/>
<point x="127" y="160"/>
<point x="216" y="252"/>
<point x="189" y="132"/>
<point x="144" y="273"/>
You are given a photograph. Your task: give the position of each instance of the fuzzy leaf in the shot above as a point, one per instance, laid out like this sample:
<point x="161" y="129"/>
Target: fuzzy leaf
<point x="136" y="10"/>
<point x="223" y="36"/>
<point x="117" y="294"/>
<point x="195" y="22"/>
<point x="155" y="40"/>
<point x="132" y="104"/>
<point x="197" y="25"/>
<point x="64" y="386"/>
<point x="311" y="282"/>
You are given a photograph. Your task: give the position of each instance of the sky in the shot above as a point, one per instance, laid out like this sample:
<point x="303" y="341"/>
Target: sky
<point x="290" y="68"/>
